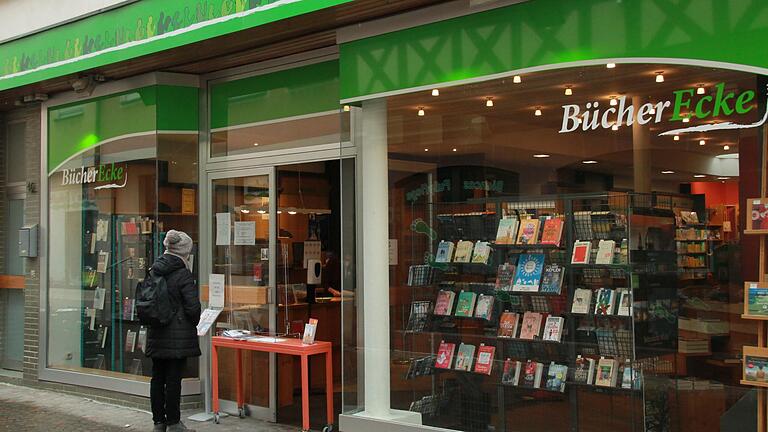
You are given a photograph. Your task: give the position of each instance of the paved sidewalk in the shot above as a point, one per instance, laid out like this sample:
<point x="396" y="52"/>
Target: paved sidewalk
<point x="24" y="409"/>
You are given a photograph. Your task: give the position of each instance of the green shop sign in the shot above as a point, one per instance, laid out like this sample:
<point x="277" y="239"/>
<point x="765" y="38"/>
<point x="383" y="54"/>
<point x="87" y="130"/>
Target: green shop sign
<point x="134" y="30"/>
<point x="108" y="176"/>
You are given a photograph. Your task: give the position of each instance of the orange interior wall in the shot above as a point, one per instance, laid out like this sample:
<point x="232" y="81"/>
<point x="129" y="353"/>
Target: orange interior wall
<point x="717" y="193"/>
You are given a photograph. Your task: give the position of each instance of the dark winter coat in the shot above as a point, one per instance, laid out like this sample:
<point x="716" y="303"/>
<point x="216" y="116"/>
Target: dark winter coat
<point x="179" y="338"/>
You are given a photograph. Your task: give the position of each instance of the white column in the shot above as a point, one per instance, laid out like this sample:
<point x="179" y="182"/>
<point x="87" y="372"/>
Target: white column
<point x="375" y="229"/>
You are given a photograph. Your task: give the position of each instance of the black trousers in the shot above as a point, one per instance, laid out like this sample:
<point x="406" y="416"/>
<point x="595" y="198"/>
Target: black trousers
<point x="165" y="390"/>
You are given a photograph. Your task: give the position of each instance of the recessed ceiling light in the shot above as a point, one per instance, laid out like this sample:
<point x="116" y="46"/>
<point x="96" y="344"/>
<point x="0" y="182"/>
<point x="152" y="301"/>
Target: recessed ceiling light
<point x="261" y="211"/>
<point x="589" y="162"/>
<point x="667" y="172"/>
<point x="568" y="91"/>
<point x="699" y="176"/>
<point x="279" y="212"/>
<point x="347" y="108"/>
<point x="421" y="112"/>
<point x="426" y="149"/>
<point x="245" y="211"/>
<point x="660" y="77"/>
<point x="652" y="110"/>
<point x="723" y="178"/>
<point x="614" y="101"/>
<point x="517" y="79"/>
<point x="454" y="150"/>
<point x="541" y="155"/>
<point x="489" y="102"/>
<point x="255" y="144"/>
<point x="610" y="65"/>
<point x="676" y="137"/>
<point x="537" y="113"/>
<point x="700" y="89"/>
<point x="686" y="119"/>
<point x="292" y="212"/>
<point x="435" y="92"/>
<point x="615" y="127"/>
<point x="702" y="142"/>
<point x="726" y="147"/>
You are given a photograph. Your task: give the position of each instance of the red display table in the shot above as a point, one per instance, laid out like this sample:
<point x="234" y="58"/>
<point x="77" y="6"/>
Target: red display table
<point x="287" y="346"/>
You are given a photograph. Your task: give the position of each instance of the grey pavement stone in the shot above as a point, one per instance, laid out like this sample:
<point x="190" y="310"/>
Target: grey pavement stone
<point x="26" y="409"/>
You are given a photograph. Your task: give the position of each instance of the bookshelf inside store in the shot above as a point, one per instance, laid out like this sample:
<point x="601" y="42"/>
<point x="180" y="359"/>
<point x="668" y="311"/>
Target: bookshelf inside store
<point x="536" y="311"/>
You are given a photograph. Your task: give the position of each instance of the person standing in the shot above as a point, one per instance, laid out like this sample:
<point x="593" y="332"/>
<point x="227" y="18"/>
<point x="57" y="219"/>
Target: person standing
<point x="170" y="346"/>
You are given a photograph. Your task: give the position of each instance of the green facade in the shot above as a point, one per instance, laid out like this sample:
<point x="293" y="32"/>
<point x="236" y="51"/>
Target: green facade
<point x="80" y="126"/>
<point x="549" y="32"/>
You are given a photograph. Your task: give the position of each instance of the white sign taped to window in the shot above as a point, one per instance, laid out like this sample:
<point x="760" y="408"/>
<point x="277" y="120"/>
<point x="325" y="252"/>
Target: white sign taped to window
<point x="216" y="290"/>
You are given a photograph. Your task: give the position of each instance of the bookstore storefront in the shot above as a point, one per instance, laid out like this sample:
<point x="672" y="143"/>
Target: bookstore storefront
<point x="122" y="170"/>
<point x="568" y="242"/>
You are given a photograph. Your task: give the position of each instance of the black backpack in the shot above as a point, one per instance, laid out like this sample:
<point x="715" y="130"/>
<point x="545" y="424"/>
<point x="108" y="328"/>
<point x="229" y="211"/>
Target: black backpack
<point x="153" y="302"/>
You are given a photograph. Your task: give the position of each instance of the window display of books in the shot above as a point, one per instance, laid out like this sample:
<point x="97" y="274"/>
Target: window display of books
<point x="541" y="299"/>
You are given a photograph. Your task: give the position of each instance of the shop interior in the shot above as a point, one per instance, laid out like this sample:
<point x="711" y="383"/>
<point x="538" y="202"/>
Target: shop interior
<point x="464" y="157"/>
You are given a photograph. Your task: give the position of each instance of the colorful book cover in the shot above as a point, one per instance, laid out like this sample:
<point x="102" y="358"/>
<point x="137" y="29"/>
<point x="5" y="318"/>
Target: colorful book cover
<point x="466" y="304"/>
<point x="130" y="341"/>
<point x="481" y="252"/>
<point x="627" y="375"/>
<point x="463" y="252"/>
<point x="511" y="372"/>
<point x="584" y="370"/>
<point x="531" y="325"/>
<point x="552" y="232"/>
<point x="582" y="299"/>
<point x="484" y="306"/>
<point x="445" y="355"/>
<point x="529" y="270"/>
<point x="605" y="301"/>
<point x="552" y="278"/>
<point x="553" y="329"/>
<point x="531" y="376"/>
<point x="508" y="324"/>
<point x="445" y="252"/>
<point x="484" y="364"/>
<point x="756" y="369"/>
<point x="758" y="299"/>
<point x="101" y="266"/>
<point x="444" y="302"/>
<point x="759" y="214"/>
<point x="581" y="250"/>
<point x="465" y="356"/>
<point x="128" y="309"/>
<point x="625" y="302"/>
<point x="507" y="232"/>
<point x="606" y="373"/>
<point x="529" y="230"/>
<point x="605" y="250"/>
<point x="557" y="374"/>
<point x="505" y="276"/>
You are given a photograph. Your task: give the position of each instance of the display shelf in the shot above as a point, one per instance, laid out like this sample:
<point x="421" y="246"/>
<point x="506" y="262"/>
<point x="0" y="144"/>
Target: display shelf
<point x="754" y="317"/>
<point x="753" y="383"/>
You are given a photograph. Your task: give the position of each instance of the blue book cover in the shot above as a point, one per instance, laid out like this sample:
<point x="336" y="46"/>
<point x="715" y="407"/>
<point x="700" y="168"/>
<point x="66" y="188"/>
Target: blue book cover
<point x="552" y="280"/>
<point x="528" y="276"/>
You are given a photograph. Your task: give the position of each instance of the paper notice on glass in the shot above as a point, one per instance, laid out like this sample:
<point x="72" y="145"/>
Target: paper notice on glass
<point x="245" y="233"/>
<point x="216" y="290"/>
<point x="207" y="318"/>
<point x="187" y="201"/>
<point x="223" y="229"/>
<point x="98" y="298"/>
<point x="311" y="251"/>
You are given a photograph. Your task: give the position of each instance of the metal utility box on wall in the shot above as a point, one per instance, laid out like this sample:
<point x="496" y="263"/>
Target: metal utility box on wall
<point x="28" y="241"/>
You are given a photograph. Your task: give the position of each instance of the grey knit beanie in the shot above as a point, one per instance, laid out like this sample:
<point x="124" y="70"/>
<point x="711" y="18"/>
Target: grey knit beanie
<point x="178" y="243"/>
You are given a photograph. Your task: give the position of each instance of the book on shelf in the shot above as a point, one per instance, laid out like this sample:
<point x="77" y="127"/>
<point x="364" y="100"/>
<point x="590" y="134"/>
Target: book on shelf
<point x="463" y="252"/>
<point x="756" y="369"/>
<point x="484" y="306"/>
<point x="583" y="225"/>
<point x="606" y="373"/>
<point x="552" y="231"/>
<point x="310" y="330"/>
<point x="531" y="376"/>
<point x="557" y="375"/>
<point x="528" y="232"/>
<point x="511" y="373"/>
<point x="444" y="302"/>
<point x="129" y="228"/>
<point x="508" y="324"/>
<point x="529" y="271"/>
<point x="445" y="252"/>
<point x="624" y="296"/>
<point x="605" y="251"/>
<point x="103" y="262"/>
<point x="758" y="219"/>
<point x="584" y="370"/>
<point x="420" y="367"/>
<point x="582" y="299"/>
<point x="689" y="217"/>
<point x="505" y="276"/>
<point x="507" y="231"/>
<point x="627" y="375"/>
<point x="99" y="295"/>
<point x="444" y="358"/>
<point x="465" y="356"/>
<point x="481" y="253"/>
<point x="102" y="230"/>
<point x="605" y="301"/>
<point x="128" y="308"/>
<point x="757" y="293"/>
<point x="130" y="341"/>
<point x="141" y="340"/>
<point x="466" y="304"/>
<point x="531" y="326"/>
<point x="417" y="320"/>
<point x="693" y="345"/>
<point x="484" y="363"/>
<point x="553" y="329"/>
<point x="581" y="252"/>
<point x="552" y="278"/>
<point x="101" y="336"/>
